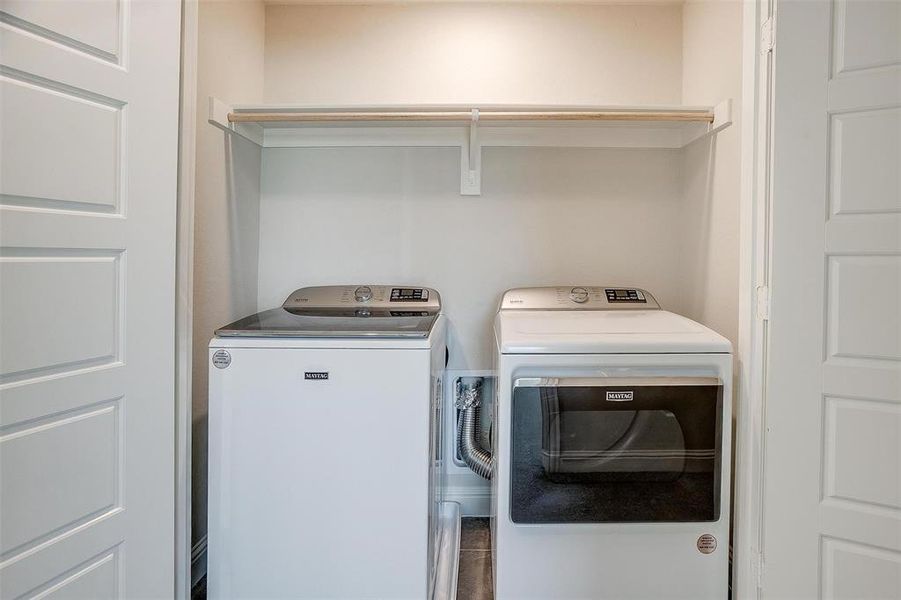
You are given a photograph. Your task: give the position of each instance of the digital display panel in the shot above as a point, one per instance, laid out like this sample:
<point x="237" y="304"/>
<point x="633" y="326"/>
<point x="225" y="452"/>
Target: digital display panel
<point x="624" y="295"/>
<point x="409" y="295"/>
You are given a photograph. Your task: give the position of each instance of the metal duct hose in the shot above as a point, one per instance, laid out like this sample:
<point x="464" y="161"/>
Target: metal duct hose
<point x="469" y="400"/>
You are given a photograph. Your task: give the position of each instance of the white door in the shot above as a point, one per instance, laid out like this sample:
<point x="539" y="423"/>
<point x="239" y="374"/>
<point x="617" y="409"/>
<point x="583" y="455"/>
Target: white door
<point x="88" y="145"/>
<point x="832" y="509"/>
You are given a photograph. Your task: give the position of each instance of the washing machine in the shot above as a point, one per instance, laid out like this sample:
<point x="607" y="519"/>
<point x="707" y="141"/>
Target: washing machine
<point x="612" y="443"/>
<point x="323" y="446"/>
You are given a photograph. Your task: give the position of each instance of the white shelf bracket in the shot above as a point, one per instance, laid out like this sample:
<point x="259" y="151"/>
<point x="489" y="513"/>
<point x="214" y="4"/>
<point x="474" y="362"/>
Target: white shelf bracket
<point x="219" y="111"/>
<point x="722" y="118"/>
<point x="471" y="160"/>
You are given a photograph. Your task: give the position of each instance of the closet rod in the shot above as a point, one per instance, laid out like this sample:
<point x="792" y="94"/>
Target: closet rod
<point x="582" y="115"/>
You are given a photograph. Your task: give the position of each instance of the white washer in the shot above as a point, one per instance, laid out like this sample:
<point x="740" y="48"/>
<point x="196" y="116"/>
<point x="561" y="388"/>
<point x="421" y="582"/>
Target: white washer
<point x="612" y="437"/>
<point x="322" y="446"/>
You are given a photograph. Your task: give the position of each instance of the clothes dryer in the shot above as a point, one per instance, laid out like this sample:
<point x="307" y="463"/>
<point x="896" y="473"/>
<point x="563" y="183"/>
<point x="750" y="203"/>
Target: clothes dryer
<point x="612" y="437"/>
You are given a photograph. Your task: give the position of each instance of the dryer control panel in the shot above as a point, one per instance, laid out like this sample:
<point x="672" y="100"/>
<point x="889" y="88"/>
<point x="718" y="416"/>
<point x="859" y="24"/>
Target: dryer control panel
<point x="579" y="297"/>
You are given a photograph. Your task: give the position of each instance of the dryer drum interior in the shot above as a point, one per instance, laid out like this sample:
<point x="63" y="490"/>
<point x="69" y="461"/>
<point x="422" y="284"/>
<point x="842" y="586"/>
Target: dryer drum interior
<point x="595" y="450"/>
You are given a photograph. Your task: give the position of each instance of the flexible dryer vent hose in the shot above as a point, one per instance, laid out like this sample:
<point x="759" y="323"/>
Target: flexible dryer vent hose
<point x="469" y="400"/>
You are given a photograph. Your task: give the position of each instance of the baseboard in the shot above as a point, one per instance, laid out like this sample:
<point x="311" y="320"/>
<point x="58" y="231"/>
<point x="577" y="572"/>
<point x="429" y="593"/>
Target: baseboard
<point x="474" y="502"/>
<point x="198" y="561"/>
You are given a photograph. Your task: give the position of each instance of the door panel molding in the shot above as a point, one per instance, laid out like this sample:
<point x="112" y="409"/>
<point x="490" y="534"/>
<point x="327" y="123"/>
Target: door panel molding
<point x="58" y="24"/>
<point x="46" y="126"/>
<point x="85" y="330"/>
<point x="94" y="473"/>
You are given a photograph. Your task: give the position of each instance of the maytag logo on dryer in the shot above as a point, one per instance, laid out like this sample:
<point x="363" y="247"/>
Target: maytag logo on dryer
<point x="315" y="375"/>
<point x="620" y="396"/>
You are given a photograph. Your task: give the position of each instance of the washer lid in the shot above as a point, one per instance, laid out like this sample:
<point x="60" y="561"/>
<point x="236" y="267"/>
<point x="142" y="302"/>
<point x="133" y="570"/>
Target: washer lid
<point x="345" y="311"/>
<point x="603" y="332"/>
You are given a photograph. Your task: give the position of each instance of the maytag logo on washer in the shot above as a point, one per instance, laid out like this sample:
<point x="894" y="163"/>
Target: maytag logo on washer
<point x="316" y="375"/>
<point x="620" y="396"/>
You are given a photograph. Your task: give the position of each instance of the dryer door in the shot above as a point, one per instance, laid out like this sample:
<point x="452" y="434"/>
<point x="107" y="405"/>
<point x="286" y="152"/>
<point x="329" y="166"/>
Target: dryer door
<point x="595" y="450"/>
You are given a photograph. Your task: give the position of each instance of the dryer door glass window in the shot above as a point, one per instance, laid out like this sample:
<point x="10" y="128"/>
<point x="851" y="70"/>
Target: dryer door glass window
<point x="599" y="450"/>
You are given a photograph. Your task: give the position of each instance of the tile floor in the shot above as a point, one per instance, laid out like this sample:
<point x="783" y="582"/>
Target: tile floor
<point x="474" y="576"/>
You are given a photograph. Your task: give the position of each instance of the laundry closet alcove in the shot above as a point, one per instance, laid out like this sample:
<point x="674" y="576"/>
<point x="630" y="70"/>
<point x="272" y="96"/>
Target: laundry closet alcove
<point x="468" y="147"/>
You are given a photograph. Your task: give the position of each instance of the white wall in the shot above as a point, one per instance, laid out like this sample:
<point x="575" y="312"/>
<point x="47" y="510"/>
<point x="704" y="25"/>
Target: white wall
<point x="711" y="71"/>
<point x="545" y="217"/>
<point x="464" y="52"/>
<point x="226" y="232"/>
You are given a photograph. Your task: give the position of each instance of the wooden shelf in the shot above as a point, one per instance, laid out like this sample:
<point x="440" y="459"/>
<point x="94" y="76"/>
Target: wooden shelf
<point x="470" y="128"/>
<point x="702" y="115"/>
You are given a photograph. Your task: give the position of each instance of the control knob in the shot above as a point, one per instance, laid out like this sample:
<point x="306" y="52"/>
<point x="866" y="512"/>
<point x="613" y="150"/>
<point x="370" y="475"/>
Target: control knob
<point x="579" y="295"/>
<point x="363" y="293"/>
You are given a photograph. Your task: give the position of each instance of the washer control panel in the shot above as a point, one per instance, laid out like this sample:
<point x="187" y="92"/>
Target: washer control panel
<point x="579" y="298"/>
<point x="365" y="297"/>
<point x="579" y="295"/>
<point x="363" y="293"/>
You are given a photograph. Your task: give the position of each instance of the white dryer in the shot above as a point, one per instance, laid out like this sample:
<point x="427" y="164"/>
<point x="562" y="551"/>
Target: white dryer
<point x="323" y="446"/>
<point x="612" y="438"/>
